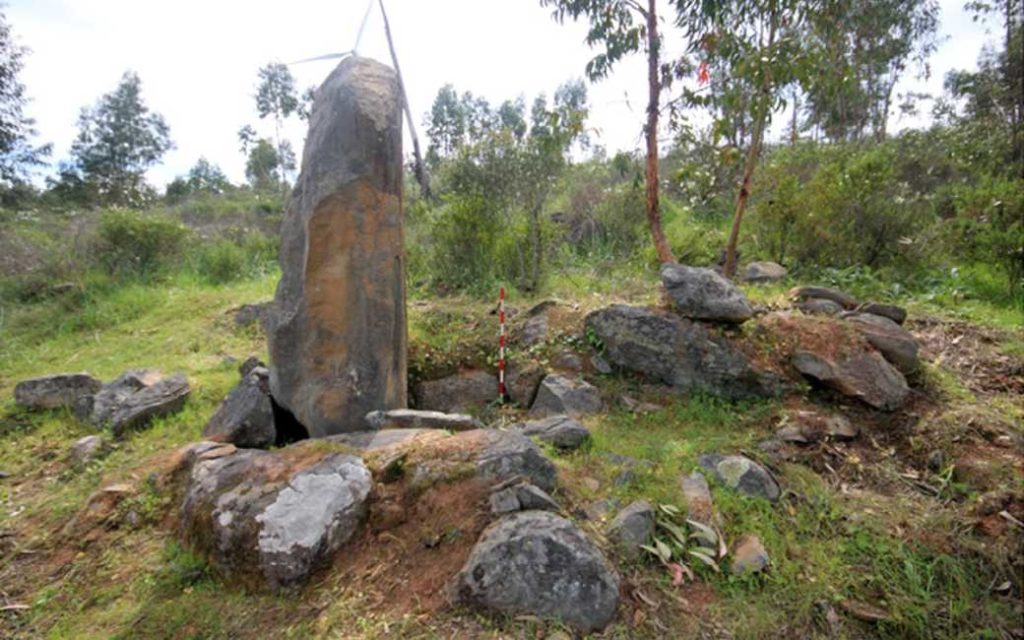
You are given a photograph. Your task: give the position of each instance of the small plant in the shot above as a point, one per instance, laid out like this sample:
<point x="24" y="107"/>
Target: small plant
<point x="678" y="541"/>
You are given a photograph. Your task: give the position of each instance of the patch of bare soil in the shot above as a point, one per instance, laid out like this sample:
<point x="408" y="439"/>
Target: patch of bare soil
<point x="972" y="352"/>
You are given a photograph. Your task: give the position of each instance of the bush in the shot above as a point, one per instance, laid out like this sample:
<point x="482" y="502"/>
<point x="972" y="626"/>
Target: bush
<point x="989" y="226"/>
<point x="135" y="243"/>
<point x="464" y="238"/>
<point x="220" y="261"/>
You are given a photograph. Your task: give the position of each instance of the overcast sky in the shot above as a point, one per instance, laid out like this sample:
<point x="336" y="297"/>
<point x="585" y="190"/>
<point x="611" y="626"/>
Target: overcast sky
<point x="198" y="61"/>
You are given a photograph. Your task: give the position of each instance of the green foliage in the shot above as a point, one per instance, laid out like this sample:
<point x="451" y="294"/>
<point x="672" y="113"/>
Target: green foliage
<point x="134" y="243"/>
<point x="204" y="177"/>
<point x="226" y="260"/>
<point x="990" y="226"/>
<point x="17" y="155"/>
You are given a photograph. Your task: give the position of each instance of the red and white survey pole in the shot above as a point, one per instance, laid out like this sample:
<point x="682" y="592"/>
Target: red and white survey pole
<point x="501" y="345"/>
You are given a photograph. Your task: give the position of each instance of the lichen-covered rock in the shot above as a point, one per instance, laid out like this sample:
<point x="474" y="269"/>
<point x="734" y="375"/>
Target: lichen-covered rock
<point x="703" y="294"/>
<point x="742" y="474"/>
<point x="133" y="400"/>
<point x="632" y="527"/>
<point x="806" y="427"/>
<point x="560" y="431"/>
<point x="844" y="300"/>
<point x="560" y="394"/>
<point x="87" y="449"/>
<point x="820" y="307"/>
<point x="415" y="419"/>
<point x="245" y="418"/>
<point x="764" y="271"/>
<point x="521" y="496"/>
<point x="865" y="375"/>
<point x="55" y="391"/>
<point x="259" y="516"/>
<point x="697" y="494"/>
<point x="895" y="313"/>
<point x="749" y="556"/>
<point x="337" y="327"/>
<point x="686" y="355"/>
<point x="462" y="392"/>
<point x="522" y="381"/>
<point x="538" y="563"/>
<point x="893" y="341"/>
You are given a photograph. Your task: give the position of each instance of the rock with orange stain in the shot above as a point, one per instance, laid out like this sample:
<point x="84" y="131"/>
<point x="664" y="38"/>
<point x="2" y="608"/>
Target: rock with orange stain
<point x="337" y="327"/>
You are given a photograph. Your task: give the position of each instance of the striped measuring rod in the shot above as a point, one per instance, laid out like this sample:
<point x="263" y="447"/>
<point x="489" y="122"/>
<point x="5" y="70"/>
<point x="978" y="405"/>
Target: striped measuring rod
<point x="501" y="345"/>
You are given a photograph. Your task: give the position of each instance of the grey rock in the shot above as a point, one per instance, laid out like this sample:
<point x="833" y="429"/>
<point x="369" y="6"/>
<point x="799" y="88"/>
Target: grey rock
<point x="337" y="326"/>
<point x="560" y="431"/>
<point x="459" y="393"/>
<point x="865" y="376"/>
<point x="627" y="468"/>
<point x="632" y="527"/>
<point x="890" y="311"/>
<point x="749" y="556"/>
<point x="249" y="314"/>
<point x="247" y="366"/>
<point x="414" y="419"/>
<point x="248" y="522"/>
<point x="699" y="505"/>
<point x="134" y="400"/>
<point x="893" y="341"/>
<point x="686" y="355"/>
<point x="522" y="379"/>
<point x="245" y="418"/>
<point x="600" y="365"/>
<point x="844" y="300"/>
<point x="365" y="441"/>
<point x="559" y="394"/>
<point x="55" y="391"/>
<point x="567" y="361"/>
<point x="807" y="427"/>
<point x="521" y="497"/>
<point x="507" y="455"/>
<point x="764" y="271"/>
<point x="742" y="474"/>
<point x="703" y="294"/>
<point x="87" y="449"/>
<point x="538" y="563"/>
<point x="936" y="461"/>
<point x="533" y="329"/>
<point x="820" y="307"/>
<point x="599" y="509"/>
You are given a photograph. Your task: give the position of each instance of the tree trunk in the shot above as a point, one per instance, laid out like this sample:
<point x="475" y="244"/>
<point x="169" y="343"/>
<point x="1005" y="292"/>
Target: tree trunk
<point x="651" y="132"/>
<point x="729" y="270"/>
<point x="419" y="168"/>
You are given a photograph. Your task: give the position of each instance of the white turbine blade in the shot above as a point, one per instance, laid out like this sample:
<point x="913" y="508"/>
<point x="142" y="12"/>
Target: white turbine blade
<point x="326" y="56"/>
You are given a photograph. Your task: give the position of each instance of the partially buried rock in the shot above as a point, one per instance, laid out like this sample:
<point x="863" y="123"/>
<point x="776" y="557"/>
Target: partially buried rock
<point x="865" y="375"/>
<point x="688" y="356"/>
<point x="749" y="556"/>
<point x="560" y="431"/>
<point x="820" y="307"/>
<point x="87" y="449"/>
<point x="537" y="563"/>
<point x="337" y="327"/>
<point x="807" y="427"/>
<point x="414" y="419"/>
<point x="632" y="527"/>
<point x="893" y="341"/>
<point x="560" y="394"/>
<point x="699" y="505"/>
<point x="844" y="300"/>
<point x="891" y="311"/>
<point x="257" y="515"/>
<point x="521" y="496"/>
<point x="742" y="474"/>
<point x="704" y="294"/>
<point x="246" y="417"/>
<point x="459" y="393"/>
<point x="55" y="391"/>
<point x="522" y="379"/>
<point x="764" y="271"/>
<point x="133" y="400"/>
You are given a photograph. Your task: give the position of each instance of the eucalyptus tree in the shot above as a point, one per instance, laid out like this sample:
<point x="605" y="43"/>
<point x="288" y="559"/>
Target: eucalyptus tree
<point x="17" y="155"/>
<point x="623" y="27"/>
<point x="277" y="97"/>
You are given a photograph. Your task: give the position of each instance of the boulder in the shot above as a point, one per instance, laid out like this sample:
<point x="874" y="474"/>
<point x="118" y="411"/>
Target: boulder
<point x="522" y="379"/>
<point x="891" y="311"/>
<point x="337" y="326"/>
<point x="844" y="300"/>
<point x="258" y="516"/>
<point x="764" y="271"/>
<point x="820" y="307"/>
<point x="864" y="375"/>
<point x="560" y="431"/>
<point x="458" y="393"/>
<point x="533" y="328"/>
<point x="133" y="400"/>
<point x="538" y="563"/>
<point x="742" y="474"/>
<point x="703" y="294"/>
<point x="697" y="495"/>
<point x="632" y="527"/>
<point x="560" y="394"/>
<point x="246" y="417"/>
<point x="521" y="496"/>
<point x="749" y="556"/>
<point x="686" y="355"/>
<point x="414" y="419"/>
<point x="55" y="391"/>
<point x="893" y="341"/>
<point x="87" y="449"/>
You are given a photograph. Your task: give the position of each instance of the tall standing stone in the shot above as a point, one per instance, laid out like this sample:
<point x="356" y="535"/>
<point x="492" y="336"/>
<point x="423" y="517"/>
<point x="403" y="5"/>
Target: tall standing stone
<point x="337" y="327"/>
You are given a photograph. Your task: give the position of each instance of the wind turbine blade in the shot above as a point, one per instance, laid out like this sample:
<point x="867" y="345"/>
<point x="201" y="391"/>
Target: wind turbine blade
<point x="326" y="56"/>
<point x="362" y="25"/>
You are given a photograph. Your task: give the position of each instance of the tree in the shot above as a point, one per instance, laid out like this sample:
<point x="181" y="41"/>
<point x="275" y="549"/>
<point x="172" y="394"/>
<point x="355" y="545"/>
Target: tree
<point x="263" y="166"/>
<point x="446" y="125"/>
<point x="277" y="96"/>
<point x="17" y="155"/>
<point x="624" y="27"/>
<point x="203" y="177"/>
<point x="118" y="140"/>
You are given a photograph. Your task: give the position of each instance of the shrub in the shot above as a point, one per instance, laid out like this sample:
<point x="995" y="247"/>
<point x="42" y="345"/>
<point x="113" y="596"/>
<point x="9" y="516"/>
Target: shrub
<point x="220" y="261"/>
<point x="463" y="235"/>
<point x="989" y="226"/>
<point x="135" y="243"/>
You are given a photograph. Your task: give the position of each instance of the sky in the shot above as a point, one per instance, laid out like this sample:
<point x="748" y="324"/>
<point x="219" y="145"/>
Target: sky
<point x="198" y="61"/>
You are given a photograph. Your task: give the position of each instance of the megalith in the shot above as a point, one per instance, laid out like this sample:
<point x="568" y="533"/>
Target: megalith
<point x="337" y="326"/>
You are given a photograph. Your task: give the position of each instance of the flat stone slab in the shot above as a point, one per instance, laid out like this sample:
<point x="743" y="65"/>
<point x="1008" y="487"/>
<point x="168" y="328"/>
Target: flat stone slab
<point x="458" y="393"/>
<point x="538" y="563"/>
<point x="55" y="391"/>
<point x="560" y="431"/>
<point x="764" y="271"/>
<point x="134" y="400"/>
<point x="416" y="419"/>
<point x="844" y="300"/>
<point x="866" y="376"/>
